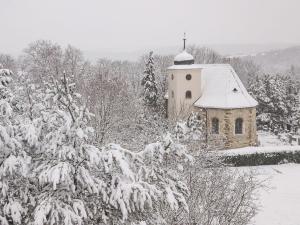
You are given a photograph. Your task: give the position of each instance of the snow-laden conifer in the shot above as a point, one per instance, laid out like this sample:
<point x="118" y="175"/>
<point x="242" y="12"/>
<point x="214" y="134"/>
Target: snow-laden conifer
<point x="14" y="160"/>
<point x="278" y="99"/>
<point x="149" y="83"/>
<point x="79" y="183"/>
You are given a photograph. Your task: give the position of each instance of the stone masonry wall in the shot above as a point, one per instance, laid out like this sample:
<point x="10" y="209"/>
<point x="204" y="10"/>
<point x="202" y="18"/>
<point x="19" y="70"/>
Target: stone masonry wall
<point x="227" y="137"/>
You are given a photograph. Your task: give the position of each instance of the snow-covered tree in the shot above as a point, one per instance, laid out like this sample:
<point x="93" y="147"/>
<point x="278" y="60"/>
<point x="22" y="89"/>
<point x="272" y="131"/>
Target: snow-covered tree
<point x="14" y="160"/>
<point x="278" y="98"/>
<point x="149" y="83"/>
<point x="204" y="55"/>
<point x="219" y="195"/>
<point x="42" y="60"/>
<point x="191" y="132"/>
<point x="8" y="62"/>
<point x="78" y="183"/>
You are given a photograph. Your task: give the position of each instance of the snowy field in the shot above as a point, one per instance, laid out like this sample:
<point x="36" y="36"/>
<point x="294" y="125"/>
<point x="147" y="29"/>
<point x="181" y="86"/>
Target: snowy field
<point x="280" y="202"/>
<point x="280" y="205"/>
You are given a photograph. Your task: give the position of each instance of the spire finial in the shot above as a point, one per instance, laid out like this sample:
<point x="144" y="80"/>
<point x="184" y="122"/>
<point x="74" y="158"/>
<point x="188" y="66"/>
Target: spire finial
<point x="184" y="39"/>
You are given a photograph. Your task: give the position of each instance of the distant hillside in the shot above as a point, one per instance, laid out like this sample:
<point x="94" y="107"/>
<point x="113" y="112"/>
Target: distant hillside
<point x="236" y="50"/>
<point x="278" y="61"/>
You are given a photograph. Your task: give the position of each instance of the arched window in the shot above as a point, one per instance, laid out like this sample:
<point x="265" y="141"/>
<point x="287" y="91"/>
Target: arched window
<point x="172" y="94"/>
<point x="188" y="77"/>
<point x="188" y="94"/>
<point x="239" y="126"/>
<point x="172" y="76"/>
<point x="215" y="125"/>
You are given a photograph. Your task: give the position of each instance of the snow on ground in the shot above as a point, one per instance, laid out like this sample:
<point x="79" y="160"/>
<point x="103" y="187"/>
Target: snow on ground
<point x="269" y="143"/>
<point x="254" y="150"/>
<point x="269" y="139"/>
<point x="280" y="204"/>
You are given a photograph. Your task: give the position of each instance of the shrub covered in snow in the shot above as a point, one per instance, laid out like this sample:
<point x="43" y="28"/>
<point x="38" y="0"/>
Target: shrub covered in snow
<point x="62" y="178"/>
<point x="258" y="158"/>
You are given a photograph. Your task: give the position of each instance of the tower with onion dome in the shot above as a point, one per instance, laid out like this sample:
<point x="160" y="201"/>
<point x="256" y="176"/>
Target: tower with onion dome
<point x="183" y="84"/>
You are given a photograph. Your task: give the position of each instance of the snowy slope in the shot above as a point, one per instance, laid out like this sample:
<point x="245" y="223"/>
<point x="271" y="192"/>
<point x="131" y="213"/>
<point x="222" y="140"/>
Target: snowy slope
<point x="280" y="205"/>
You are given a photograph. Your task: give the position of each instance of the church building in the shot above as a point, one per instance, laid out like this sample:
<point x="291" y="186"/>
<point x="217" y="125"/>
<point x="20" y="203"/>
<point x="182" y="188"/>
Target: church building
<point x="218" y="95"/>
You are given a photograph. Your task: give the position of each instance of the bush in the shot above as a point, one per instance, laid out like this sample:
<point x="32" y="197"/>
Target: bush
<point x="258" y="159"/>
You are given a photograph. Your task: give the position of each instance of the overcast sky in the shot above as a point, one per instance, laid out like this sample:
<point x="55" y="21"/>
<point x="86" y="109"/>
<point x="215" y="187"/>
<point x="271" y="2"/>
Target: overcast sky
<point x="125" y="25"/>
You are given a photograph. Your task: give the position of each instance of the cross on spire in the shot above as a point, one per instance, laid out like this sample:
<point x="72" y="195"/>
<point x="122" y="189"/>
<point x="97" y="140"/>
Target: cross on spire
<point x="184" y="39"/>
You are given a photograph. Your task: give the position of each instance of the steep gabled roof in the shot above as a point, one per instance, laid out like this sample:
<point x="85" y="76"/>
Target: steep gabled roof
<point x="221" y="87"/>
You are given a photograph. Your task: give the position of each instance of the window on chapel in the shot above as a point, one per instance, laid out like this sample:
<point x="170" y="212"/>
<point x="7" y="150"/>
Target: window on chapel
<point x="239" y="126"/>
<point x="215" y="126"/>
<point x="188" y="94"/>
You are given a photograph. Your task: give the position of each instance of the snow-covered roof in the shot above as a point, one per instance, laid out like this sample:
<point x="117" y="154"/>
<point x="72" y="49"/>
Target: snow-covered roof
<point x="183" y="56"/>
<point x="221" y="87"/>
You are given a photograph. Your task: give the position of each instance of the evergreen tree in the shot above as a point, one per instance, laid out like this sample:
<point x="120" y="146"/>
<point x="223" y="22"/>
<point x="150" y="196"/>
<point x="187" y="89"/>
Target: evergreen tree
<point x="149" y="83"/>
<point x="278" y="98"/>
<point x="78" y="183"/>
<point x="14" y="161"/>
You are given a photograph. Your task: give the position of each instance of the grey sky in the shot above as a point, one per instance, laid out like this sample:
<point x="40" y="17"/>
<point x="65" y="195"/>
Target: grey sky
<point x="124" y="25"/>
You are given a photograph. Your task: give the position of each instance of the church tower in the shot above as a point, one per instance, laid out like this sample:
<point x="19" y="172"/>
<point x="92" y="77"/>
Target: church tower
<point x="184" y="82"/>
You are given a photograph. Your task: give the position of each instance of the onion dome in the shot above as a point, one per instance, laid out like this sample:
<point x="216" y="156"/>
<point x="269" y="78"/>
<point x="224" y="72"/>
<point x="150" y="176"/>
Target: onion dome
<point x="183" y="58"/>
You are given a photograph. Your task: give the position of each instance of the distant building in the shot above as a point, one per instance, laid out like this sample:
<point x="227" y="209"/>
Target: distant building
<point x="217" y="93"/>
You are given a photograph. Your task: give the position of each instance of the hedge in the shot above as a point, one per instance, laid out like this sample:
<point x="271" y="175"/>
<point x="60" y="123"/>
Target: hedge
<point x="257" y="159"/>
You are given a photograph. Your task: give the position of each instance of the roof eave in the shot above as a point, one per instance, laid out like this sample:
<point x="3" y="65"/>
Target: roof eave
<point x="224" y="107"/>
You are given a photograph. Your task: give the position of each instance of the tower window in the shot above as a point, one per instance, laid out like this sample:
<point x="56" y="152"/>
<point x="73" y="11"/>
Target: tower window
<point x="172" y="76"/>
<point x="188" y="76"/>
<point x="172" y="94"/>
<point x="188" y="94"/>
<point x="215" y="126"/>
<point x="239" y="126"/>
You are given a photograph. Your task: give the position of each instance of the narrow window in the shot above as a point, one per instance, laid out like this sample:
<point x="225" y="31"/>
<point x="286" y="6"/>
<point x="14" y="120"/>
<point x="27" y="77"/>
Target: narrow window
<point x="239" y="126"/>
<point x="188" y="94"/>
<point x="188" y="77"/>
<point x="172" y="77"/>
<point x="172" y="94"/>
<point x="215" y="126"/>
